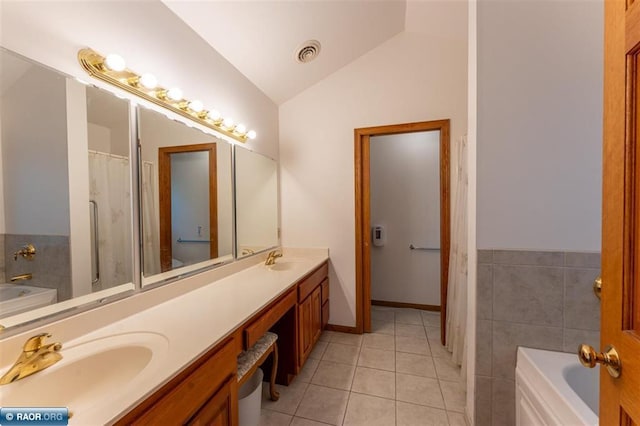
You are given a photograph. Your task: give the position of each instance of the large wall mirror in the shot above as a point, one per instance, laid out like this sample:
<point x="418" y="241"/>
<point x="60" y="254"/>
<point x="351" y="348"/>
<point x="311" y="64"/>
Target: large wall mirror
<point x="65" y="198"/>
<point x="256" y="202"/>
<point x="187" y="197"/>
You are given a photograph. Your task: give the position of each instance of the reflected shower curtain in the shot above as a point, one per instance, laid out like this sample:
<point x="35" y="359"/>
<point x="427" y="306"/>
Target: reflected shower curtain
<point x="457" y="292"/>
<point x="150" y="230"/>
<point x="109" y="188"/>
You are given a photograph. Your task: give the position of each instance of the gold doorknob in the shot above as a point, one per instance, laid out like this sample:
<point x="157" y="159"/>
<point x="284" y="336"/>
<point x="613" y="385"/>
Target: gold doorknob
<point x="609" y="358"/>
<point x="597" y="287"/>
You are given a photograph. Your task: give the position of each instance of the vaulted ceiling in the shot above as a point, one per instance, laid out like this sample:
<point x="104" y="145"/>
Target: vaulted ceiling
<point x="260" y="38"/>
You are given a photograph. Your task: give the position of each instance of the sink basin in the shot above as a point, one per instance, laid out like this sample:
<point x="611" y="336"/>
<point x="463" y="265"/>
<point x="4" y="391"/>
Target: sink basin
<point x="285" y="264"/>
<point x="91" y="374"/>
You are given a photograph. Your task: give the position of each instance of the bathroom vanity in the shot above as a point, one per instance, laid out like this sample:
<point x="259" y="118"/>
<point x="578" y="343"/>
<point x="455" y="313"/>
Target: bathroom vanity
<point x="157" y="356"/>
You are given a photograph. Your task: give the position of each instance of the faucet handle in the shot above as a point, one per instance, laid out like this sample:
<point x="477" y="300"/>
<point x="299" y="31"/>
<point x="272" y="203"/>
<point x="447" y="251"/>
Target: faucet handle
<point x="35" y="342"/>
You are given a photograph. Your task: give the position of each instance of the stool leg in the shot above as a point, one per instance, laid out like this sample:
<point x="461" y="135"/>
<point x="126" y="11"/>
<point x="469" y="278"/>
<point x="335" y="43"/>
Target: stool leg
<point x="275" y="395"/>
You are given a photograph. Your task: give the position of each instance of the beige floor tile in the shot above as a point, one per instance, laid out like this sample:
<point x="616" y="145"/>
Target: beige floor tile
<point x="366" y="410"/>
<point x="457" y="419"/>
<point x="290" y="397"/>
<point x="433" y="332"/>
<point x="431" y="319"/>
<point x="347" y="339"/>
<point x="409" y="316"/>
<point x="377" y="358"/>
<point x="418" y="415"/>
<point x="318" y="350"/>
<point x="273" y="418"/>
<point x="334" y="375"/>
<point x="326" y="335"/>
<point x="323" y="404"/>
<point x="374" y="382"/>
<point x="412" y="345"/>
<point x="418" y="390"/>
<point x="455" y="395"/>
<point x="446" y="369"/>
<point x="299" y="421"/>
<point x="308" y="370"/>
<point x="345" y="354"/>
<point x="418" y="365"/>
<point x="437" y="350"/>
<point x="383" y="327"/>
<point x="410" y="330"/>
<point x="383" y="315"/>
<point x="379" y="341"/>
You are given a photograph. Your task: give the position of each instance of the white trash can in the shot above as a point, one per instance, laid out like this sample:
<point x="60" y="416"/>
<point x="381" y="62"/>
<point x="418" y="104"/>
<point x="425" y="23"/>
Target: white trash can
<point x="249" y="399"/>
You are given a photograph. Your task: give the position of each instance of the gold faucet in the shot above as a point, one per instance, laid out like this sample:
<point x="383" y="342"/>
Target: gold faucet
<point x="272" y="256"/>
<point x="35" y="356"/>
<point x="22" y="277"/>
<point x="28" y="252"/>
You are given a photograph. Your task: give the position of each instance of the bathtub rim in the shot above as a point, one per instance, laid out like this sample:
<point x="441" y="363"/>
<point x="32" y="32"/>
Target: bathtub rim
<point x="564" y="403"/>
<point x="36" y="297"/>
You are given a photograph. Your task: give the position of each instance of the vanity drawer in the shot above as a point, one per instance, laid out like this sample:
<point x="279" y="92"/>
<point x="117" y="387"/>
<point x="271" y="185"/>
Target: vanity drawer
<point x="325" y="290"/>
<point x="267" y="318"/>
<point x="308" y="284"/>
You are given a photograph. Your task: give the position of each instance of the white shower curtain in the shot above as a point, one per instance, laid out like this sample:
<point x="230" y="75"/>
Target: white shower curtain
<point x="109" y="188"/>
<point x="150" y="242"/>
<point x="457" y="292"/>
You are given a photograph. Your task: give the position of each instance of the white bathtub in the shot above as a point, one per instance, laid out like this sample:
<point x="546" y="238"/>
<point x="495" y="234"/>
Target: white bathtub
<point x="17" y="298"/>
<point x="553" y="388"/>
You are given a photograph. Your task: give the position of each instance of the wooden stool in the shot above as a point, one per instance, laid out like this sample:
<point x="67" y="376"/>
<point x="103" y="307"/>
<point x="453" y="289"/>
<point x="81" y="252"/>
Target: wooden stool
<point x="252" y="358"/>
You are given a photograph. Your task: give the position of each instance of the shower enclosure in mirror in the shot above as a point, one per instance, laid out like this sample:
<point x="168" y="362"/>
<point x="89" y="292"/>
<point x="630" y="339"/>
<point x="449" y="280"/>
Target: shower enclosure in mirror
<point x="256" y="202"/>
<point x="187" y="207"/>
<point x="65" y="209"/>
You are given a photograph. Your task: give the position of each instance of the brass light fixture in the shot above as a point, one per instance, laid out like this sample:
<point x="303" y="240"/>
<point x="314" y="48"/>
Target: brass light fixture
<point x="112" y="69"/>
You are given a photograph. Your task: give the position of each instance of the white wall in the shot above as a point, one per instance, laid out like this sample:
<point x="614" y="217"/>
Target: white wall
<point x="412" y="77"/>
<point x="35" y="157"/>
<point x="152" y="39"/>
<point x="539" y="124"/>
<point x="405" y="199"/>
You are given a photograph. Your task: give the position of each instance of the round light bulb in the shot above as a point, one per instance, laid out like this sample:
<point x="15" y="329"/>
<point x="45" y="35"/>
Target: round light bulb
<point x="228" y="123"/>
<point x="214" y="115"/>
<point x="241" y="128"/>
<point x="115" y="62"/>
<point x="196" y="106"/>
<point x="252" y="134"/>
<point x="148" y="81"/>
<point x="175" y="94"/>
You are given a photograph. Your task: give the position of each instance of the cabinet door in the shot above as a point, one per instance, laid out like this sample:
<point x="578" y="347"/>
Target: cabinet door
<point x="218" y="410"/>
<point x="316" y="314"/>
<point x="304" y="329"/>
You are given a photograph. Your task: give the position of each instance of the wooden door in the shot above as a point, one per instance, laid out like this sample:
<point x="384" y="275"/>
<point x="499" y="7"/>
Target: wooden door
<point x="304" y="327"/>
<point x="620" y="398"/>
<point x="316" y="314"/>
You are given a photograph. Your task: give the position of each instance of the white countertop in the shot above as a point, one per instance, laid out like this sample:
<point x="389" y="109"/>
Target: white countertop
<point x="191" y="323"/>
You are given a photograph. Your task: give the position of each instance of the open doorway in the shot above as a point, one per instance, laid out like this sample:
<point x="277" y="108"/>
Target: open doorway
<point x="429" y="245"/>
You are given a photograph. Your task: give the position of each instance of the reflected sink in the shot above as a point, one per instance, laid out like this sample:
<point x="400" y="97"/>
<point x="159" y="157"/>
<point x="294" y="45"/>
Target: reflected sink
<point x="91" y="373"/>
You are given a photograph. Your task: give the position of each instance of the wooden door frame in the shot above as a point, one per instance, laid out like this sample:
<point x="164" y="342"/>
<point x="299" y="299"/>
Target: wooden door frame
<point x="363" y="214"/>
<point x="164" y="199"/>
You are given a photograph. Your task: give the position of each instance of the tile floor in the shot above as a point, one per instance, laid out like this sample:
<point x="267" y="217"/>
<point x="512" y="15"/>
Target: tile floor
<point x="398" y="375"/>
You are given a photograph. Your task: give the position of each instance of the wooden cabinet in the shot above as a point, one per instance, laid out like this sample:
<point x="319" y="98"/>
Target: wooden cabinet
<point x="310" y="311"/>
<point x="205" y="393"/>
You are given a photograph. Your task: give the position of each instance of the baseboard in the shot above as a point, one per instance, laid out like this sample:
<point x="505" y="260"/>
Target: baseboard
<point x="342" y="329"/>
<point x="433" y="308"/>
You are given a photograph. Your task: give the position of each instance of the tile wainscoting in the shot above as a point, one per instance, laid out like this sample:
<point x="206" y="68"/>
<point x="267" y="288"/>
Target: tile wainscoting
<point x="538" y="299"/>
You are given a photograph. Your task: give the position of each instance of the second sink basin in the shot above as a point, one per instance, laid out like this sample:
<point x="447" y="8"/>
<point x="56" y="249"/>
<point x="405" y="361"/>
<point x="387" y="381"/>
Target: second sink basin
<point x="285" y="264"/>
<point x="90" y="374"/>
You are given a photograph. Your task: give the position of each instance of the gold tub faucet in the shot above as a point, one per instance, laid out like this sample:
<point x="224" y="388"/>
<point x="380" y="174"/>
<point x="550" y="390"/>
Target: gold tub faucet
<point x="21" y="277"/>
<point x="272" y="256"/>
<point x="35" y="356"/>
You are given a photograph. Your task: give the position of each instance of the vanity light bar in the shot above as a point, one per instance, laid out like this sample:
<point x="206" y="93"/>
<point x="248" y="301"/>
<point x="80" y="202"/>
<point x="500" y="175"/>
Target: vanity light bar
<point x="113" y="70"/>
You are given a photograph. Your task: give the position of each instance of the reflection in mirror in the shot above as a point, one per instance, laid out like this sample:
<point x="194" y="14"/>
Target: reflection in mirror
<point x="256" y="202"/>
<point x="186" y="197"/>
<point x="65" y="206"/>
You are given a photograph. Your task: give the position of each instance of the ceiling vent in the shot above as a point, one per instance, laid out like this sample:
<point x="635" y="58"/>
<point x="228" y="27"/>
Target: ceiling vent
<point x="308" y="51"/>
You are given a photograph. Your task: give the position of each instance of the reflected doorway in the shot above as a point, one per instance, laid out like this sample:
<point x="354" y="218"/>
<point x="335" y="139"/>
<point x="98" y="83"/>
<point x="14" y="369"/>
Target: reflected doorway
<point x="188" y="204"/>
